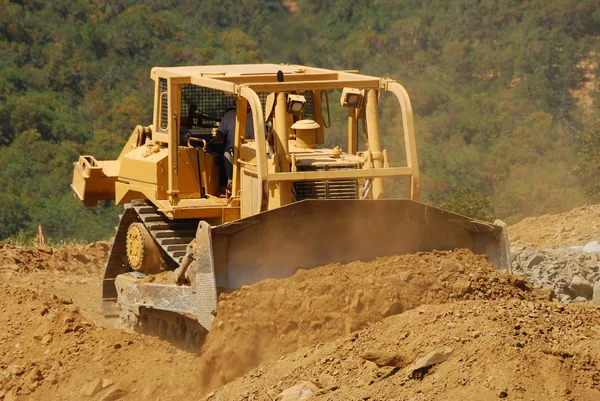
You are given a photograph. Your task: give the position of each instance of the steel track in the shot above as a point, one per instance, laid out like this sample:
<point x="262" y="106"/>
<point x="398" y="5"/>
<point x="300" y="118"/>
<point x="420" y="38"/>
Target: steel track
<point x="172" y="236"/>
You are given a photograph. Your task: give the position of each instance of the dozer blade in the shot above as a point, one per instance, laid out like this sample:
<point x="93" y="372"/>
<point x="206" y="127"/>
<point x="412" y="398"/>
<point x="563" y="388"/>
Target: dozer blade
<point x="311" y="233"/>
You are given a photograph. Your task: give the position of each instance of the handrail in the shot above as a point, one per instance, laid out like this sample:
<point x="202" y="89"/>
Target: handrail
<point x="409" y="133"/>
<point x="259" y="136"/>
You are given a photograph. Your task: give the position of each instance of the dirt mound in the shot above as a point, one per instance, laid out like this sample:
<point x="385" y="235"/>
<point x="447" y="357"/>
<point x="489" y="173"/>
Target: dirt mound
<point x="259" y="323"/>
<point x="509" y="349"/>
<point x="48" y="351"/>
<point x="576" y="227"/>
<point x="89" y="258"/>
<point x="71" y="272"/>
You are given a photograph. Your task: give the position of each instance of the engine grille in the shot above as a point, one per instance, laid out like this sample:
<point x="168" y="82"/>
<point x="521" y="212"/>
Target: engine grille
<point x="164" y="105"/>
<point x="327" y="189"/>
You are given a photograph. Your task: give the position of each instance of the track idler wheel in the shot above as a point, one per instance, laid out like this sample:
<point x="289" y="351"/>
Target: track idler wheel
<point x="142" y="252"/>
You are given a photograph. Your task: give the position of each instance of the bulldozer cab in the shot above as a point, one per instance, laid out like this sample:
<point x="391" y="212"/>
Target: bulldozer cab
<point x="284" y="160"/>
<point x="282" y="152"/>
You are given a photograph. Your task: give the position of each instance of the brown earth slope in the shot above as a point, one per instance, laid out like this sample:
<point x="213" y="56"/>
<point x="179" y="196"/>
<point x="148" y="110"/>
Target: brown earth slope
<point x="512" y="349"/>
<point x="72" y="272"/>
<point x="576" y="227"/>
<point x="260" y="323"/>
<point x="257" y="324"/>
<point x="48" y="351"/>
<point x="338" y="326"/>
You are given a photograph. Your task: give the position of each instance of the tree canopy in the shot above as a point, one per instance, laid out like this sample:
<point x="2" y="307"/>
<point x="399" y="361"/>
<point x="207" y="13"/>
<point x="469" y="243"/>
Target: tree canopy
<point x="502" y="89"/>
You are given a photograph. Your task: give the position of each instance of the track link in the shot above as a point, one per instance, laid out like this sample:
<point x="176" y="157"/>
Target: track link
<point x="172" y="236"/>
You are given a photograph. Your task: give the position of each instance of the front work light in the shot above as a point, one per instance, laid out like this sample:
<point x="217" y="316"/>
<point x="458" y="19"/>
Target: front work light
<point x="351" y="97"/>
<point x="296" y="104"/>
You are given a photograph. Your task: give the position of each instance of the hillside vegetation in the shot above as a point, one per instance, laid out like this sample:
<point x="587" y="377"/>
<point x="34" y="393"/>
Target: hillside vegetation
<point x="501" y="89"/>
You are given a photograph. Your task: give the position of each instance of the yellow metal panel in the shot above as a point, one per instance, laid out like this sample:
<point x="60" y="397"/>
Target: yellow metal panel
<point x="125" y="192"/>
<point x="141" y="164"/>
<point x="248" y="153"/>
<point x="209" y="173"/>
<point x="129" y="146"/>
<point x="193" y="208"/>
<point x="162" y="179"/>
<point x="250" y="193"/>
<point x="231" y="214"/>
<point x="232" y="69"/>
<point x="158" y="137"/>
<point x="248" y="79"/>
<point x="94" y="180"/>
<point x="189" y="177"/>
<point x="173" y="160"/>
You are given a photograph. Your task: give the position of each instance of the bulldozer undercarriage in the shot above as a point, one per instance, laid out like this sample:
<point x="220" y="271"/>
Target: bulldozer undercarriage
<point x="142" y="253"/>
<point x="147" y="243"/>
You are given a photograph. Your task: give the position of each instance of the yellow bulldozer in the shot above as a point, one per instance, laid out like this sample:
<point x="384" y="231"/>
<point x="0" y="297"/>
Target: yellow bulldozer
<point x="291" y="198"/>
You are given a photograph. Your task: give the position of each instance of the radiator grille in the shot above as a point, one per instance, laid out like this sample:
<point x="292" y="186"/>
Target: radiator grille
<point x="164" y="105"/>
<point x="327" y="189"/>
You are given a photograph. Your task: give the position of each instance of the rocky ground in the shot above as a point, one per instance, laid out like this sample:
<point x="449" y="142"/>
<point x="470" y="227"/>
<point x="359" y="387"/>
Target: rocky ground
<point x="324" y="303"/>
<point x="560" y="252"/>
<point x="440" y="325"/>
<point x="574" y="228"/>
<point x="476" y="350"/>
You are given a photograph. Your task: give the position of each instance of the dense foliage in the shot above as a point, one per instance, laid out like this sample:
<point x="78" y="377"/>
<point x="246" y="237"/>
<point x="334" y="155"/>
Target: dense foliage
<point x="588" y="162"/>
<point x="501" y="88"/>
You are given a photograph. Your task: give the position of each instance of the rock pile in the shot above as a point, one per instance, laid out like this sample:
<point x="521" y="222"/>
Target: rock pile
<point x="572" y="273"/>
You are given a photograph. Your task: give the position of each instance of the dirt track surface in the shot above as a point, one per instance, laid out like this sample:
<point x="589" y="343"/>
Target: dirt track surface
<point x="70" y="272"/>
<point x="49" y="351"/>
<point x="334" y="327"/>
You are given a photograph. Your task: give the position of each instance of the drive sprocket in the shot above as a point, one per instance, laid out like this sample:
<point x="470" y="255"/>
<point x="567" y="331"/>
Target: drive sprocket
<point x="142" y="252"/>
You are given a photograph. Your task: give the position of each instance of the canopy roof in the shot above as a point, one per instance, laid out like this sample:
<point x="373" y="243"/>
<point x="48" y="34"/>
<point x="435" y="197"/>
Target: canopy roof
<point x="264" y="77"/>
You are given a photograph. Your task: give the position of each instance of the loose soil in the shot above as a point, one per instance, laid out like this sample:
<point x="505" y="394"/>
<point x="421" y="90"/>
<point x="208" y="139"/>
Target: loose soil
<point x="513" y="349"/>
<point x="260" y="323"/>
<point x="574" y="228"/>
<point x="353" y="330"/>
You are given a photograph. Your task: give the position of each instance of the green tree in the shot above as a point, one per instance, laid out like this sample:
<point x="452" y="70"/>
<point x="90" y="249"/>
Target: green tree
<point x="469" y="202"/>
<point x="588" y="161"/>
